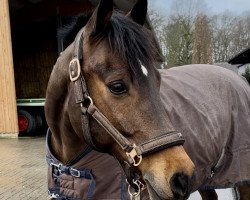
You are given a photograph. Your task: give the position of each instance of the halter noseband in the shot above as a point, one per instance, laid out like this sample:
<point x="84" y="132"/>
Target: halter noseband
<point x="133" y="151"/>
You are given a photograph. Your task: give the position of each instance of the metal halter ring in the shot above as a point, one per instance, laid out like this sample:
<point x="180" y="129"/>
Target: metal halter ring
<point x="140" y="186"/>
<point x="134" y="193"/>
<point x="90" y="101"/>
<point x="57" y="166"/>
<point x="132" y="155"/>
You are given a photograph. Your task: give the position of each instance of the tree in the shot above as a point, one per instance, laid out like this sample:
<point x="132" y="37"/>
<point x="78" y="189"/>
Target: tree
<point x="231" y="35"/>
<point x="222" y="36"/>
<point x="178" y="32"/>
<point x="241" y="34"/>
<point x="187" y="36"/>
<point x="202" y="40"/>
<point x="178" y="39"/>
<point x="188" y="8"/>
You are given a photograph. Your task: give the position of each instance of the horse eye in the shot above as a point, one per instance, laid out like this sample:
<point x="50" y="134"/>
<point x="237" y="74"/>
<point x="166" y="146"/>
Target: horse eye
<point x="117" y="87"/>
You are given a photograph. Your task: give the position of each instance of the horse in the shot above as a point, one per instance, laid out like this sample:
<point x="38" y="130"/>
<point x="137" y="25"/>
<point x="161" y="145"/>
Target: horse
<point x="119" y="128"/>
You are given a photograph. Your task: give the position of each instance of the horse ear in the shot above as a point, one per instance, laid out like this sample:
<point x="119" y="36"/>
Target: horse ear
<point x="100" y="18"/>
<point x="139" y="12"/>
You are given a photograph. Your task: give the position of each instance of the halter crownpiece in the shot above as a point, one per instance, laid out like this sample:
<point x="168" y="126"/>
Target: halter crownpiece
<point x="134" y="152"/>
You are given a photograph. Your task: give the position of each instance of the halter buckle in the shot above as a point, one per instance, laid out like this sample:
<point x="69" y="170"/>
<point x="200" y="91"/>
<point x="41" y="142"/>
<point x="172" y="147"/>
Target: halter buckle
<point x="74" y="172"/>
<point x="56" y="167"/>
<point x="74" y="69"/>
<point x="133" y="157"/>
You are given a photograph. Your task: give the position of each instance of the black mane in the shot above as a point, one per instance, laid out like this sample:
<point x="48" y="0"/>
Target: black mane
<point x="72" y="26"/>
<point x="133" y="42"/>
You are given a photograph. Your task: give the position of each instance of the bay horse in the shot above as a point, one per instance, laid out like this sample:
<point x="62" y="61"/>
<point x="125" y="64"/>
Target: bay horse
<point x="105" y="97"/>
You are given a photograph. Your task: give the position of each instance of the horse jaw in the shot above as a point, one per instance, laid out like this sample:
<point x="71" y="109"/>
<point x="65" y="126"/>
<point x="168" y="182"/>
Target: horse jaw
<point x="158" y="169"/>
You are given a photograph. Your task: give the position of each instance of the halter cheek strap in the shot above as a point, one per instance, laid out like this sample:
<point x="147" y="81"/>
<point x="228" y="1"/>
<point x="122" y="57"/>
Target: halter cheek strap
<point x="133" y="151"/>
<point x="80" y="87"/>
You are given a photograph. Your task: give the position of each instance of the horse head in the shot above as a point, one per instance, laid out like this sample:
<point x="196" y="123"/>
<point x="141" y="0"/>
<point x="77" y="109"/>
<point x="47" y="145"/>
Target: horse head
<point x="118" y="65"/>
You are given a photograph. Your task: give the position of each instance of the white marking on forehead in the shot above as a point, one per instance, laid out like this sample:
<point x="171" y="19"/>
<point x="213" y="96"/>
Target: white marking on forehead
<point x="144" y="70"/>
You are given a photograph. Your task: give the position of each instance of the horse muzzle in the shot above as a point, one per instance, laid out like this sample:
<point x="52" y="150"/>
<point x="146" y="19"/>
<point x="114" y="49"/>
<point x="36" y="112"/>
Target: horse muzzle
<point x="168" y="174"/>
<point x="179" y="187"/>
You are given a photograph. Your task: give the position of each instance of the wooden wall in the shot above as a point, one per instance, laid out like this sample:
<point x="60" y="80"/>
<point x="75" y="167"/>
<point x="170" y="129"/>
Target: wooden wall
<point x="8" y="110"/>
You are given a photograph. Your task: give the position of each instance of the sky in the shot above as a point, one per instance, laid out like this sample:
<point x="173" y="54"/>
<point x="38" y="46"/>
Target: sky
<point x="212" y="6"/>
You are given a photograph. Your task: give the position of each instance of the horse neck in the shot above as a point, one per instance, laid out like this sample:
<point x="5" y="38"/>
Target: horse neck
<point x="63" y="114"/>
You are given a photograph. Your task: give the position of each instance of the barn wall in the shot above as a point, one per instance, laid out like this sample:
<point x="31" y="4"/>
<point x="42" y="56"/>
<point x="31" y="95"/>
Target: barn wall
<point x="8" y="110"/>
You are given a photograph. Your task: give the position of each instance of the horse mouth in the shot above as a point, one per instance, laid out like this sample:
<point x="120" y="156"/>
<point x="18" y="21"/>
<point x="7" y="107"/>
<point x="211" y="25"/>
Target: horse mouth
<point x="153" y="194"/>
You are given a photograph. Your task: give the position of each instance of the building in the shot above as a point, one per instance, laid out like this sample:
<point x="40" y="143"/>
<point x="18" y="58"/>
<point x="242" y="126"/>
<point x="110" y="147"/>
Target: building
<point x="29" y="47"/>
<point x="242" y="60"/>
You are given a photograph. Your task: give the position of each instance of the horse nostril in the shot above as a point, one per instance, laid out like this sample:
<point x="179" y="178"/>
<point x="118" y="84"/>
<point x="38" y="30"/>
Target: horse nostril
<point x="179" y="184"/>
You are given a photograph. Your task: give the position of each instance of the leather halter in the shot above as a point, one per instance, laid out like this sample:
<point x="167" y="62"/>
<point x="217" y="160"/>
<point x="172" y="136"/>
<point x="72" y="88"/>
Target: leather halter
<point x="133" y="151"/>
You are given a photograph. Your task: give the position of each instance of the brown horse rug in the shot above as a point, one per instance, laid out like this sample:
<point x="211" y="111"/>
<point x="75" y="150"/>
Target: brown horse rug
<point x="210" y="106"/>
<point x="92" y="175"/>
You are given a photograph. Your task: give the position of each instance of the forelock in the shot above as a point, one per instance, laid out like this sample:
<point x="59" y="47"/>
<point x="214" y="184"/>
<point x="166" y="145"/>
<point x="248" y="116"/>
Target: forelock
<point x="134" y="43"/>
